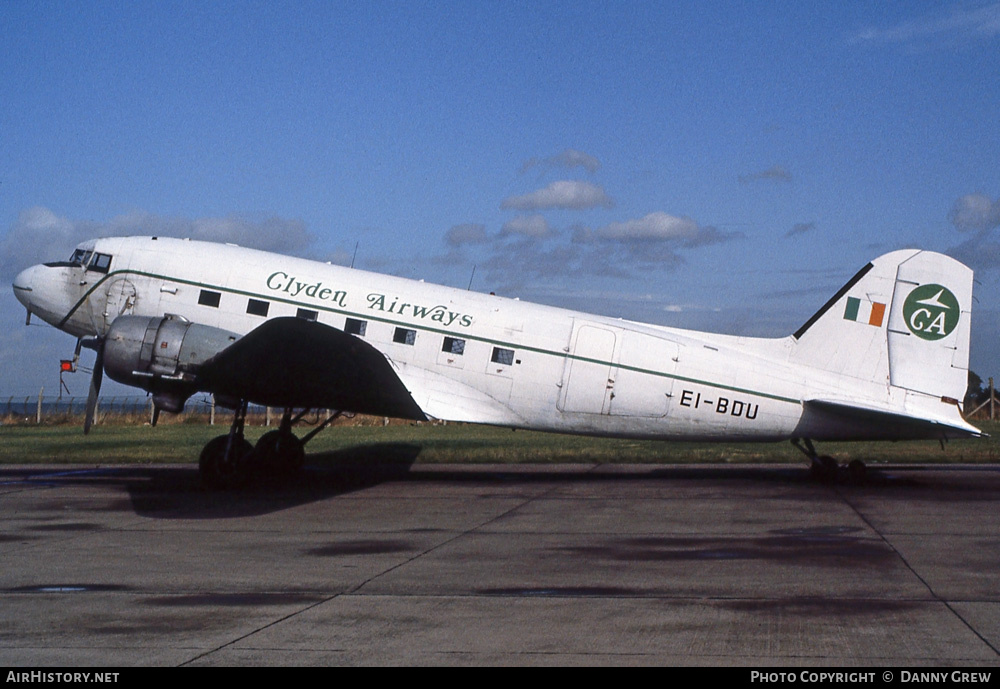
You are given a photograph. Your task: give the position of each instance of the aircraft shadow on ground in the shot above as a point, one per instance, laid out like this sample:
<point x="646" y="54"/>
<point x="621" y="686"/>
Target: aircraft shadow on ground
<point x="171" y="492"/>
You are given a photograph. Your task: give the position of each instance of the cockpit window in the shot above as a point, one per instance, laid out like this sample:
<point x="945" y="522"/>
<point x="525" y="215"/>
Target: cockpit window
<point x="87" y="259"/>
<point x="81" y="257"/>
<point x="90" y="260"/>
<point x="100" y="263"/>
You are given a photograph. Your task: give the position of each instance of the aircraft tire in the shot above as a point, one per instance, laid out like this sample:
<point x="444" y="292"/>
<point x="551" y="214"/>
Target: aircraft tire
<point x="280" y="454"/>
<point x="217" y="471"/>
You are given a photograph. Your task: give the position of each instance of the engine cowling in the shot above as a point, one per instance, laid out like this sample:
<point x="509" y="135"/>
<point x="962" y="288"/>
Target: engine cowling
<point x="162" y="355"/>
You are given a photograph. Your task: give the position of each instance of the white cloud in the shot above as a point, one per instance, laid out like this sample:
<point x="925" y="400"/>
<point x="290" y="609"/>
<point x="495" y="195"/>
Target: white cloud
<point x="655" y="239"/>
<point x="527" y="225"/>
<point x="979" y="253"/>
<point x="978" y="215"/>
<point x="800" y="228"/>
<point x="339" y="257"/>
<point x="466" y="233"/>
<point x="40" y="235"/>
<point x="775" y="173"/>
<point x="42" y="220"/>
<point x="529" y="250"/>
<point x="282" y="235"/>
<point x="663" y="229"/>
<point x="975" y="212"/>
<point x="688" y="308"/>
<point x="656" y="226"/>
<point x="564" y="194"/>
<point x="569" y="158"/>
<point x="961" y="25"/>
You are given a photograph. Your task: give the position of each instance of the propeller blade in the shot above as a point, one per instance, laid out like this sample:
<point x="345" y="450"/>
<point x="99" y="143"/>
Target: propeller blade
<point x="95" y="387"/>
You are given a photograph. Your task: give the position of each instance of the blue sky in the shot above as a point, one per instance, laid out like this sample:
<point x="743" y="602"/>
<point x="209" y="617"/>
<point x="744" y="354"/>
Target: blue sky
<point x="712" y="165"/>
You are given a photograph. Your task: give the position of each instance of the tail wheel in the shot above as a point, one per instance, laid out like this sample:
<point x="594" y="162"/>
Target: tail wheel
<point x="220" y="469"/>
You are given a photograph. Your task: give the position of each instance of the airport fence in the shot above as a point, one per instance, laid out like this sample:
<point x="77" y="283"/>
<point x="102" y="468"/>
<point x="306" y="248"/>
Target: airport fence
<point x="31" y="410"/>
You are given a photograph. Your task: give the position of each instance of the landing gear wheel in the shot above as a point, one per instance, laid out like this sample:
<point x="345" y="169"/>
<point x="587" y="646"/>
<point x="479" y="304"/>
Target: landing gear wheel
<point x="857" y="470"/>
<point x="280" y="454"/>
<point x="219" y="470"/>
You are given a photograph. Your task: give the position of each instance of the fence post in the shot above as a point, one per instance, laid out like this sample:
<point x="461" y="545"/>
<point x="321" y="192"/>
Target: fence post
<point x="991" y="398"/>
<point x="38" y="413"/>
<point x="211" y="413"/>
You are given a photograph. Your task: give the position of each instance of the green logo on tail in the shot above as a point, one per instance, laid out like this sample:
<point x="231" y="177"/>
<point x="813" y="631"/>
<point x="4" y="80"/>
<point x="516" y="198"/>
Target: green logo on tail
<point x="931" y="312"/>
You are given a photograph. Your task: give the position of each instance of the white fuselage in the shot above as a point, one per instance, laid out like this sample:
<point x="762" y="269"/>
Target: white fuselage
<point x="467" y="356"/>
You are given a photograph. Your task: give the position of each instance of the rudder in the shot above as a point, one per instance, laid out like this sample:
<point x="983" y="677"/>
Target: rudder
<point x="930" y="325"/>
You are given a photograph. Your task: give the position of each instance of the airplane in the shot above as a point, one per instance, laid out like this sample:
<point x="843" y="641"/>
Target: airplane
<point x="886" y="358"/>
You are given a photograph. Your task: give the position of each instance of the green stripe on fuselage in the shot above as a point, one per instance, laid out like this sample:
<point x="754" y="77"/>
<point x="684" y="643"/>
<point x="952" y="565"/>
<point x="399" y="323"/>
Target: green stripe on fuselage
<point x="450" y="333"/>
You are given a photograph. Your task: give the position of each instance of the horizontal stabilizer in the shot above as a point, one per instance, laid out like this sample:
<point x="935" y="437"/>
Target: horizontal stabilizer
<point x="292" y="362"/>
<point x="876" y="423"/>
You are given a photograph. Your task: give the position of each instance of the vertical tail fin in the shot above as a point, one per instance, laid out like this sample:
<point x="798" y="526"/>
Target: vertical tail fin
<point x="903" y="320"/>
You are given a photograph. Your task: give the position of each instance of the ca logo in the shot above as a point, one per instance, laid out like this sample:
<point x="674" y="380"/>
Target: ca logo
<point x="931" y="312"/>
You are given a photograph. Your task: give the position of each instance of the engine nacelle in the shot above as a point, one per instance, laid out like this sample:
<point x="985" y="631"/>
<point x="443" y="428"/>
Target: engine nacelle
<point x="162" y="355"/>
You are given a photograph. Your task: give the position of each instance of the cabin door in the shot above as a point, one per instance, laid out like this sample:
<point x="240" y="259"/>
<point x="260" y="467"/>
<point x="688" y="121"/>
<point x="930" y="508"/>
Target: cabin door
<point x="643" y="380"/>
<point x="587" y="381"/>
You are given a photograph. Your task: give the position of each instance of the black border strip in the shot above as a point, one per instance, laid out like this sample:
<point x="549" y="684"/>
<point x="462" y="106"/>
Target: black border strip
<point x="833" y="300"/>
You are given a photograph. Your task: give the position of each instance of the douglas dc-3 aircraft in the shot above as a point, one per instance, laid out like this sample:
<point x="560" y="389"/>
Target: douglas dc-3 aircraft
<point x="886" y="357"/>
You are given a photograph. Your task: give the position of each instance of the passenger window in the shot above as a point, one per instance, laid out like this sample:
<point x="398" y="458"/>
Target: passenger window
<point x="256" y="307"/>
<point x="502" y="356"/>
<point x="355" y="327"/>
<point x="208" y="298"/>
<point x="404" y="336"/>
<point x="453" y="345"/>
<point x="307" y="314"/>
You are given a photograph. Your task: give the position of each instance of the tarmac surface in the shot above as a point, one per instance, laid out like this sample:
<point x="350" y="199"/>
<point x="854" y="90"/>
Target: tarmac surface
<point x="501" y="565"/>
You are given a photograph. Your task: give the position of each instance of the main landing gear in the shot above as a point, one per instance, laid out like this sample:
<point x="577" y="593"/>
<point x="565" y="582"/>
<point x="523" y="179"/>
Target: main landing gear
<point x="825" y="468"/>
<point x="230" y="460"/>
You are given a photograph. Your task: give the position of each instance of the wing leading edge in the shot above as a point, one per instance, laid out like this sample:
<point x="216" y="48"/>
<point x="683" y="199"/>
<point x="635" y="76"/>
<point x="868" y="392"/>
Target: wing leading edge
<point x="292" y="362"/>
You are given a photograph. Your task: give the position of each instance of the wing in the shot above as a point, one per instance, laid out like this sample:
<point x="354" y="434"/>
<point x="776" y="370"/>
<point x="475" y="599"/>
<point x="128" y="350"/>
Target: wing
<point x="292" y="362"/>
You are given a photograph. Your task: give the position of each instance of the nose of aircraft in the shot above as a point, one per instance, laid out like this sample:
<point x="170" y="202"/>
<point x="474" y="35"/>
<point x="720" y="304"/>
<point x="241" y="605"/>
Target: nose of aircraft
<point x="23" y="283"/>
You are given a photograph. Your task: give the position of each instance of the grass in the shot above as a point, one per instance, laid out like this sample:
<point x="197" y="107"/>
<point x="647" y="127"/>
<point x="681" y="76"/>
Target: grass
<point x="454" y="443"/>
